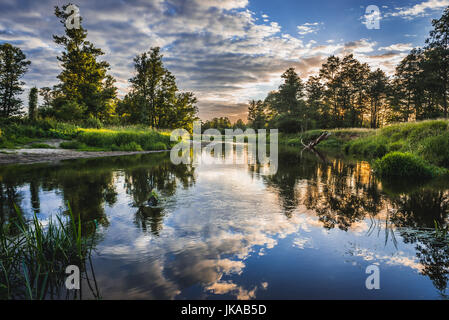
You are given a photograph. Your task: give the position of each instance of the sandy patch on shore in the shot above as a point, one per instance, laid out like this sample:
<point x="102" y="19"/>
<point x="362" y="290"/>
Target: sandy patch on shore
<point x="18" y="156"/>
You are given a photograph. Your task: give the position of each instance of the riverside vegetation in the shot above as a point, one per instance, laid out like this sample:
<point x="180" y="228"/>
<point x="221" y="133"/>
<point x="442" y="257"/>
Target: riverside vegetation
<point x="16" y="134"/>
<point x="34" y="256"/>
<point x="415" y="149"/>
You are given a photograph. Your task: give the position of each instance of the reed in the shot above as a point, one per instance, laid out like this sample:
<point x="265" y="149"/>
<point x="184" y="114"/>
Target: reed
<point x="33" y="257"/>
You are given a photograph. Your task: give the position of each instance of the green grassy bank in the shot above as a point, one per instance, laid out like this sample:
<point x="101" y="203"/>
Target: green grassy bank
<point x="415" y="149"/>
<point x="17" y="134"/>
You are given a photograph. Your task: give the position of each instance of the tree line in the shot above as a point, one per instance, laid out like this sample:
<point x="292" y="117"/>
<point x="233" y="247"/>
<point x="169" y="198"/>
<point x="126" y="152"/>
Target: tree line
<point x="347" y="93"/>
<point x="86" y="92"/>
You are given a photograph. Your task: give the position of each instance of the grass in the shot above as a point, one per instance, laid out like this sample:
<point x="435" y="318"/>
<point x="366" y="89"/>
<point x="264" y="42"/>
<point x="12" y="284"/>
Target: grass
<point x="34" y="257"/>
<point x="17" y="133"/>
<point x="423" y="144"/>
<point x="336" y="142"/>
<point x="405" y="165"/>
<point x="126" y="139"/>
<point x="41" y="146"/>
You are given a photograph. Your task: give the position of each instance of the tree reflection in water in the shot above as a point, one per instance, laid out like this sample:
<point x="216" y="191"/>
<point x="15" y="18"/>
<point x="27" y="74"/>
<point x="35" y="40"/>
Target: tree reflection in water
<point x="343" y="193"/>
<point x="340" y="193"/>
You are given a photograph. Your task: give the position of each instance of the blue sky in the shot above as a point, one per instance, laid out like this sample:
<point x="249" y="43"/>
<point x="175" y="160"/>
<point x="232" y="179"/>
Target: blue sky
<point x="226" y="51"/>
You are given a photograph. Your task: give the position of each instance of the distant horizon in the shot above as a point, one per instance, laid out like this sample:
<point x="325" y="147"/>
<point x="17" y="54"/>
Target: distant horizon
<point x="226" y="52"/>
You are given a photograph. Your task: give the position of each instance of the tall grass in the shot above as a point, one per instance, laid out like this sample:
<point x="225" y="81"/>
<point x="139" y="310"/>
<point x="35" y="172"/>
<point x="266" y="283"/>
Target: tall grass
<point x="93" y="138"/>
<point x="414" y="137"/>
<point x="34" y="257"/>
<point x="127" y="139"/>
<point x="422" y="146"/>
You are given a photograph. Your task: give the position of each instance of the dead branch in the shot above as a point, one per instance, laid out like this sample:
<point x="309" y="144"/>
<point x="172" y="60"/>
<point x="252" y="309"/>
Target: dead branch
<point x="314" y="143"/>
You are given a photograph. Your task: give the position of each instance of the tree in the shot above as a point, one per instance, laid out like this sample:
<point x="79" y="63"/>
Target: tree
<point x="154" y="98"/>
<point x="83" y="79"/>
<point x="409" y="85"/>
<point x="32" y="104"/>
<point x="377" y="94"/>
<point x="256" y="114"/>
<point x="438" y="45"/>
<point x="239" y="124"/>
<point x="149" y="75"/>
<point x="290" y="93"/>
<point x="328" y="74"/>
<point x="318" y="110"/>
<point x="13" y="65"/>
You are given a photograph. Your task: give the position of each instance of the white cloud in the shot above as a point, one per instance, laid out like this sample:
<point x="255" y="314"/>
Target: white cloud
<point x="307" y="28"/>
<point x="420" y="8"/>
<point x="398" y="47"/>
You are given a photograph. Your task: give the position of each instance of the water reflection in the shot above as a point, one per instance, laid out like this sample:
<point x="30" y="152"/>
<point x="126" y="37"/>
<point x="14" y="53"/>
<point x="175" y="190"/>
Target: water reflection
<point x="226" y="230"/>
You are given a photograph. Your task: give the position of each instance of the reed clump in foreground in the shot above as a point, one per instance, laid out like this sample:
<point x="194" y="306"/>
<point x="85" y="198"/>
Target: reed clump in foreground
<point x="33" y="257"/>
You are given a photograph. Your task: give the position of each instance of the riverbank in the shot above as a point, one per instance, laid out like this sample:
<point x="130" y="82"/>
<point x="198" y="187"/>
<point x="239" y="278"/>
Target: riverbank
<point x="22" y="141"/>
<point x="32" y="156"/>
<point x="414" y="149"/>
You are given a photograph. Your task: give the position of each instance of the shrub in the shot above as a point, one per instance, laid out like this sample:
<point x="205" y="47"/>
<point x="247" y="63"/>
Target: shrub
<point x="160" y="146"/>
<point x="436" y="150"/>
<point x="70" y="111"/>
<point x="108" y="139"/>
<point x="403" y="165"/>
<point x="396" y="146"/>
<point x="132" y="146"/>
<point x="94" y="123"/>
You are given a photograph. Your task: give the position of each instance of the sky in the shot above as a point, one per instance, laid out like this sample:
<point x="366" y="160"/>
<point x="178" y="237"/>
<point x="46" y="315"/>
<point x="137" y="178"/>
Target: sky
<point x="226" y="51"/>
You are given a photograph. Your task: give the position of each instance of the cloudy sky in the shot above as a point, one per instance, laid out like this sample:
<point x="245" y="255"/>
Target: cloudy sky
<point x="226" y="51"/>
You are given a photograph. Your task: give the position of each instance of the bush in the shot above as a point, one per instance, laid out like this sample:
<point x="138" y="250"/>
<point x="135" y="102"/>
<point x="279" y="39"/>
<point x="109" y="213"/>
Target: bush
<point x="127" y="139"/>
<point x="436" y="150"/>
<point x="70" y="111"/>
<point x="132" y="146"/>
<point x="403" y="165"/>
<point x="92" y="123"/>
<point x="396" y="146"/>
<point x="160" y="146"/>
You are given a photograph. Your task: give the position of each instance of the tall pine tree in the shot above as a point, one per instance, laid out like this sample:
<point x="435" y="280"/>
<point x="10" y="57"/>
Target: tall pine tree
<point x="13" y="65"/>
<point x="32" y="104"/>
<point x="84" y="79"/>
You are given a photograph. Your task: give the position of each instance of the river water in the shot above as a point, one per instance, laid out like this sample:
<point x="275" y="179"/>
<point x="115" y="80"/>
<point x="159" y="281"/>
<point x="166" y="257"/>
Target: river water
<point x="229" y="231"/>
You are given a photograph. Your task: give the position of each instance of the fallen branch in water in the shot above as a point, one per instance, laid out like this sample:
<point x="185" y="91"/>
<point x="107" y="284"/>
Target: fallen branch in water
<point x="314" y="143"/>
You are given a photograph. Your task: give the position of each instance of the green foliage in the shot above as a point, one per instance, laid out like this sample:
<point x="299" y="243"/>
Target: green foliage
<point x="404" y="165"/>
<point x="154" y="98"/>
<point x="160" y="146"/>
<point x="13" y="65"/>
<point x="32" y="104"/>
<point x="85" y="88"/>
<point x="257" y="115"/>
<point x="435" y="149"/>
<point x="93" y="123"/>
<point x="220" y="124"/>
<point x="69" y="110"/>
<point x="33" y="258"/>
<point x="131" y="146"/>
<point x="428" y="139"/>
<point x="124" y="140"/>
<point x="288" y="124"/>
<point x="19" y="132"/>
